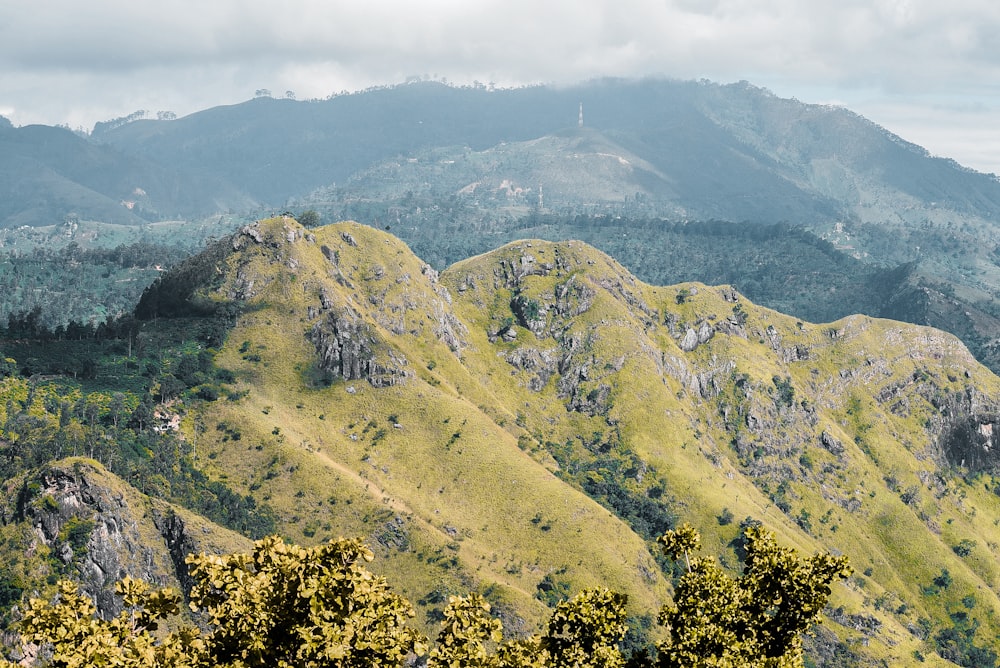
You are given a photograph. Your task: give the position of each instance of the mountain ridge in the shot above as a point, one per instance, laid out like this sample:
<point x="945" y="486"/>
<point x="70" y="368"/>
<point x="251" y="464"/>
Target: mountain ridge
<point x="659" y="402"/>
<point x="696" y="151"/>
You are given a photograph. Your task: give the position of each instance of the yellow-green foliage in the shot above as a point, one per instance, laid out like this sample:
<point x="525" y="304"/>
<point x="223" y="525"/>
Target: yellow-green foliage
<point x="756" y="620"/>
<point x="288" y="606"/>
<point x="79" y="638"/>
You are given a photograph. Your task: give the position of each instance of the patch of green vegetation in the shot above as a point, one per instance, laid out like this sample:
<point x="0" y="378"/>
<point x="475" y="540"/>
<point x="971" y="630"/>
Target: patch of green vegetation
<point x="111" y="414"/>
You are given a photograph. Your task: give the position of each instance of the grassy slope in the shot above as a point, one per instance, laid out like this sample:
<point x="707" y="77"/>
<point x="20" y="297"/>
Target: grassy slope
<point x="472" y="496"/>
<point x="463" y="493"/>
<point x="904" y="546"/>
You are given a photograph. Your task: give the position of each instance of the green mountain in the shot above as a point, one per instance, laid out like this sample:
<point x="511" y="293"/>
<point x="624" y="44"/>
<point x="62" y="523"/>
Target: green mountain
<point x="50" y="175"/>
<point x="526" y="422"/>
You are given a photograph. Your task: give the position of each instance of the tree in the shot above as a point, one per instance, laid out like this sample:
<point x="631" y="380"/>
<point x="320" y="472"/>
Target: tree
<point x="78" y="638"/>
<point x="280" y="605"/>
<point x="584" y="632"/>
<point x="466" y="631"/>
<point x="309" y="218"/>
<point x="755" y="621"/>
<point x="288" y="606"/>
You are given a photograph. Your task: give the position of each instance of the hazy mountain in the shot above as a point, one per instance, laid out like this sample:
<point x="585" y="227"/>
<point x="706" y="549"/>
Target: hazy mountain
<point x="734" y="152"/>
<point x="524" y="423"/>
<point x="457" y="171"/>
<point x="49" y="175"/>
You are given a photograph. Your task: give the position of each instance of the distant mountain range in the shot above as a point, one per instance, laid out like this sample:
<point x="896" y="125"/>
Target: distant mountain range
<point x="731" y="152"/>
<point x="49" y="175"/>
<point x="699" y="151"/>
<point x="457" y="171"/>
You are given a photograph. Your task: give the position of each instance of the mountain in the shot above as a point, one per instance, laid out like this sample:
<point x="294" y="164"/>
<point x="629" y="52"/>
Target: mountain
<point x="457" y="171"/>
<point x="72" y="517"/>
<point x="524" y="424"/>
<point x="734" y="152"/>
<point x="49" y="175"/>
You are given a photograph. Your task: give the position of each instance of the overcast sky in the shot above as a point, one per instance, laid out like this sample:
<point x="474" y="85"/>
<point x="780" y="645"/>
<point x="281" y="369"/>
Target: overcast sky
<point x="927" y="70"/>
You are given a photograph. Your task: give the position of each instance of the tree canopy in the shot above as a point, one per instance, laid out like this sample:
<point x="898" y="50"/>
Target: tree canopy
<point x="289" y="606"/>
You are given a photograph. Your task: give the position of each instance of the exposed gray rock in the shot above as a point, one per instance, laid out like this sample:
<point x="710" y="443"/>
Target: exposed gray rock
<point x="732" y="327"/>
<point x="690" y="340"/>
<point x="830" y="443"/>
<point x="797" y="353"/>
<point x="393" y="534"/>
<point x="509" y="273"/>
<point x="179" y="545"/>
<point x="774" y="338"/>
<point x="530" y="314"/>
<point x="325" y="299"/>
<point x="251" y="231"/>
<point x="572" y="298"/>
<point x="430" y="272"/>
<point x="597" y="401"/>
<point x="705" y="333"/>
<point x="347" y="350"/>
<point x="330" y="254"/>
<point x="618" y="288"/>
<point x="103" y="530"/>
<point x="541" y="362"/>
<point x="449" y="329"/>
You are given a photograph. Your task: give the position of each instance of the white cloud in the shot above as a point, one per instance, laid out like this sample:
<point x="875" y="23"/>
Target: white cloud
<point x="72" y="62"/>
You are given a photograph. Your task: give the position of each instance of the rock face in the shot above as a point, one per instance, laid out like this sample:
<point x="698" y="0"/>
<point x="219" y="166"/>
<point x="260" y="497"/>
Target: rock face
<point x="98" y="530"/>
<point x="970" y="432"/>
<point x="347" y="350"/>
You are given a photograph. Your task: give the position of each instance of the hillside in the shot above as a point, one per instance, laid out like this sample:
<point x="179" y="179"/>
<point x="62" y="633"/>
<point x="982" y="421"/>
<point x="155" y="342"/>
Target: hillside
<point x="72" y="518"/>
<point x="50" y="175"/>
<point x="525" y="422"/>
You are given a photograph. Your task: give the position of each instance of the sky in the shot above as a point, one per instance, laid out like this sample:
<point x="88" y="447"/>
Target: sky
<point x="926" y="70"/>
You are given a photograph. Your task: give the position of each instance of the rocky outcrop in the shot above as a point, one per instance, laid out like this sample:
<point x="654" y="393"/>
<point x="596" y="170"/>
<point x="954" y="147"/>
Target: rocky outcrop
<point x="448" y="328"/>
<point x="540" y="363"/>
<point x="509" y="272"/>
<point x="179" y="545"/>
<point x="969" y="434"/>
<point x="690" y="340"/>
<point x="706" y="383"/>
<point x="348" y="349"/>
<point x="88" y="528"/>
<point x="831" y="443"/>
<point x="97" y="530"/>
<point x="572" y="298"/>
